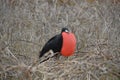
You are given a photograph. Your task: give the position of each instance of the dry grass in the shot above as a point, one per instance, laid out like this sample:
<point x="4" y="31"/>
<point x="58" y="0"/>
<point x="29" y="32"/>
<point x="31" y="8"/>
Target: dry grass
<point x="25" y="25"/>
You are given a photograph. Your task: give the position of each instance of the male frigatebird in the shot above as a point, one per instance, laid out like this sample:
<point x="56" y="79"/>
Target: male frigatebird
<point x="64" y="43"/>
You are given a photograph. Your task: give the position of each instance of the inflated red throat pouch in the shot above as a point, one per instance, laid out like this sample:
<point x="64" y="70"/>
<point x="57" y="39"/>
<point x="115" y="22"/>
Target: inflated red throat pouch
<point x="69" y="44"/>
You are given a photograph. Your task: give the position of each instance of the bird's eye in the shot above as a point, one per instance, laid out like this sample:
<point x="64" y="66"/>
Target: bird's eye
<point x="66" y="31"/>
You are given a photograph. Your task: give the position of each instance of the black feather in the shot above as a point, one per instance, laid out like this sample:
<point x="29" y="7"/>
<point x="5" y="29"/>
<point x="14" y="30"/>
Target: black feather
<point x="54" y="44"/>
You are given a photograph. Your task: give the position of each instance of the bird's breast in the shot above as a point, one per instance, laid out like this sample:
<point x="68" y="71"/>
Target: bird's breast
<point x="69" y="44"/>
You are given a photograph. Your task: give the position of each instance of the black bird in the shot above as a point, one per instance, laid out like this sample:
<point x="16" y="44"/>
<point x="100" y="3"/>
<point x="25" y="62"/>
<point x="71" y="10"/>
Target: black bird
<point x="54" y="44"/>
<point x="65" y="43"/>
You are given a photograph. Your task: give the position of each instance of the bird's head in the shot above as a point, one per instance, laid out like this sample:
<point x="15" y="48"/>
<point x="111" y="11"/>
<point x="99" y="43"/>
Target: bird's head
<point x="64" y="30"/>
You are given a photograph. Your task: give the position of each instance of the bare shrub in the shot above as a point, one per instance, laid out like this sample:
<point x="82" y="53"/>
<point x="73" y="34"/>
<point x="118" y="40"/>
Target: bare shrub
<point x="25" y="26"/>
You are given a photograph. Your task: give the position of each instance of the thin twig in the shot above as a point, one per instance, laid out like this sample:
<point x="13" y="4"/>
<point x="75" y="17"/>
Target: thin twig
<point x="11" y="53"/>
<point x="39" y="62"/>
<point x="28" y="42"/>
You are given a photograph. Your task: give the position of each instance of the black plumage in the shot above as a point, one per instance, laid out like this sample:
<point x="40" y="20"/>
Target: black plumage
<point x="54" y="44"/>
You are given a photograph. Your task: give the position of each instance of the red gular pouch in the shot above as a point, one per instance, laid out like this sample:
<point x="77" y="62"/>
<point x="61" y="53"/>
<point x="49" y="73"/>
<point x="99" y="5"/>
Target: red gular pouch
<point x="69" y="44"/>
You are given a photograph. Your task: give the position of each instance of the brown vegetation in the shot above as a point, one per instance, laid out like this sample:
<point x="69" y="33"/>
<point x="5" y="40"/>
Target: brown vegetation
<point x="25" y="26"/>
